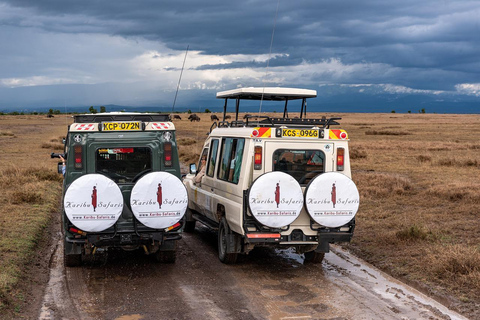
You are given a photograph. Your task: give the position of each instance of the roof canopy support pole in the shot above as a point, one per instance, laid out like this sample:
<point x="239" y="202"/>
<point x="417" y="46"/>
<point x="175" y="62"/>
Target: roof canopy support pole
<point x="225" y="109"/>
<point x="303" y="112"/>
<point x="285" y="112"/>
<point x="237" y="106"/>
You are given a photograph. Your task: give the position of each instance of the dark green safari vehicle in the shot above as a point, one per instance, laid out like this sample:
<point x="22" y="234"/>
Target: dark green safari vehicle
<point x="122" y="186"/>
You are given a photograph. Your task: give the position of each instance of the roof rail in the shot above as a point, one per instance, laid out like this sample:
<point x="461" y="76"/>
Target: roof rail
<point x="105" y="117"/>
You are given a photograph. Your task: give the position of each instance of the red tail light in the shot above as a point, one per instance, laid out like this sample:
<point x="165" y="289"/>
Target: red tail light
<point x="340" y="159"/>
<point x="78" y="155"/>
<point x="257" y="164"/>
<point x="167" y="153"/>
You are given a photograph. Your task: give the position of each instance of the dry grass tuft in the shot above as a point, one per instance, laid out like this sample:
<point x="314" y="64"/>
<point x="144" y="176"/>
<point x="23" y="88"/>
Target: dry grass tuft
<point x="452" y="162"/>
<point x="357" y="153"/>
<point x="52" y="146"/>
<point x="423" y="158"/>
<point x="7" y="134"/>
<point x="186" y="141"/>
<point x="459" y="260"/>
<point x="466" y="193"/>
<point x="387" y="133"/>
<point x="373" y="184"/>
<point x="413" y="233"/>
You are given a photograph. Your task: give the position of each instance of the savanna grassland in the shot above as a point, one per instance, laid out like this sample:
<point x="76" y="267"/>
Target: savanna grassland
<point x="418" y="177"/>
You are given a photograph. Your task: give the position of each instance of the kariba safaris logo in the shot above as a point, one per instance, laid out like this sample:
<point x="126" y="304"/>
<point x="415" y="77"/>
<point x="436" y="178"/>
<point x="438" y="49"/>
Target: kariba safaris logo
<point x="334" y="195"/>
<point x="159" y="200"/>
<point x="332" y="199"/>
<point x="94" y="198"/>
<point x="93" y="202"/>
<point x="275" y="199"/>
<point x="277" y="194"/>
<point x="159" y="195"/>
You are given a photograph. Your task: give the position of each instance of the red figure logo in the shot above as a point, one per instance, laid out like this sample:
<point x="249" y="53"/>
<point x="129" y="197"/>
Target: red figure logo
<point x="94" y="198"/>
<point x="159" y="195"/>
<point x="277" y="194"/>
<point x="334" y="195"/>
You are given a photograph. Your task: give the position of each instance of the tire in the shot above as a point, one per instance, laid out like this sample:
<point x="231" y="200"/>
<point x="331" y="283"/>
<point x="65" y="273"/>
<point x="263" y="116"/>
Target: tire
<point x="223" y="244"/>
<point x="189" y="226"/>
<point x="72" y="260"/>
<point x="165" y="256"/>
<point x="314" y="257"/>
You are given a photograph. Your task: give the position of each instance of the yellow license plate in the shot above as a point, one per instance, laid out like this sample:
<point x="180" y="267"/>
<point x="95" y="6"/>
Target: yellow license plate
<point x="300" y="133"/>
<point x="122" y="126"/>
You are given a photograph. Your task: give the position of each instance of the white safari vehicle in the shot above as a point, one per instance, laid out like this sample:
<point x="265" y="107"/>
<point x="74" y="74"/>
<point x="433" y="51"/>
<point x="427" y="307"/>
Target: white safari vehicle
<point x="264" y="181"/>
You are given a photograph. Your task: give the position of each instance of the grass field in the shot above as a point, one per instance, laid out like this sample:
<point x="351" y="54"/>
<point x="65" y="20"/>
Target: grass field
<point x="418" y="177"/>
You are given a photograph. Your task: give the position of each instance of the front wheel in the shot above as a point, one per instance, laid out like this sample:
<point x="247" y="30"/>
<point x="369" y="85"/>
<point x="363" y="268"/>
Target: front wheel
<point x="224" y="243"/>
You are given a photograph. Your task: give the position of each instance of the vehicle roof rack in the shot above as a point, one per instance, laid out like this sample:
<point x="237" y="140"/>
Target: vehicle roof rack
<point x="254" y="121"/>
<point x="272" y="94"/>
<point x="120" y="116"/>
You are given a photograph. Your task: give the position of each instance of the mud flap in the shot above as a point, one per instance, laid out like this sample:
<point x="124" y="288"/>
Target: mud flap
<point x="234" y="242"/>
<point x="323" y="247"/>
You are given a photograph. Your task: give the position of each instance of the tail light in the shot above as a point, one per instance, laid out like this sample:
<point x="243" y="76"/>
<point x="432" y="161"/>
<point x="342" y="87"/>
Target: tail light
<point x="257" y="164"/>
<point x="340" y="159"/>
<point x="78" y="155"/>
<point x="167" y="153"/>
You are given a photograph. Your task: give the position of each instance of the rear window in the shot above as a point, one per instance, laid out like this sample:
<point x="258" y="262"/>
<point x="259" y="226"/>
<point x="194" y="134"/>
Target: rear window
<point x="123" y="164"/>
<point x="303" y="165"/>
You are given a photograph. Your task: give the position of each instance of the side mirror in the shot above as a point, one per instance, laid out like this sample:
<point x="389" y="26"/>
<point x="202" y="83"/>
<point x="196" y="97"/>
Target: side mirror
<point x="193" y="168"/>
<point x="59" y="167"/>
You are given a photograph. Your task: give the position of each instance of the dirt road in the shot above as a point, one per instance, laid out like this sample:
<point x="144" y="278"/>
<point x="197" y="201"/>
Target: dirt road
<point x="267" y="284"/>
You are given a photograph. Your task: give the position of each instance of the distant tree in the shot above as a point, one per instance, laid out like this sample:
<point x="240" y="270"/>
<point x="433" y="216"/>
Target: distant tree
<point x="189" y="111"/>
<point x="423" y="110"/>
<point x="103" y="109"/>
<point x="56" y="111"/>
<point x="50" y="111"/>
<point x="393" y="111"/>
<point x="409" y="111"/>
<point x="92" y="110"/>
<point x="208" y="111"/>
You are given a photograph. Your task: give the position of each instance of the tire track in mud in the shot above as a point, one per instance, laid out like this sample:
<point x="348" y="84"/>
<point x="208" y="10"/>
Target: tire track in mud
<point x="266" y="284"/>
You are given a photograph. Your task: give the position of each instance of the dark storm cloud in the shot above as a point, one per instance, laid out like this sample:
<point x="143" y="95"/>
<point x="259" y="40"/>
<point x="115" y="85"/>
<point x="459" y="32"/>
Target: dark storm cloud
<point x="411" y="45"/>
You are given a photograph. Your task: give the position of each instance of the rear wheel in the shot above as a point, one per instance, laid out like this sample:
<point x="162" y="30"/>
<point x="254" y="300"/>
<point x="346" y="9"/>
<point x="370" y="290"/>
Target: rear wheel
<point x="167" y="256"/>
<point x="224" y="243"/>
<point x="314" y="257"/>
<point x="72" y="260"/>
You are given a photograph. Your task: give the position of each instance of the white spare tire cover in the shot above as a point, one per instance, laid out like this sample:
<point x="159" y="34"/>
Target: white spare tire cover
<point x="275" y="199"/>
<point x="93" y="202"/>
<point x="159" y="200"/>
<point x="332" y="199"/>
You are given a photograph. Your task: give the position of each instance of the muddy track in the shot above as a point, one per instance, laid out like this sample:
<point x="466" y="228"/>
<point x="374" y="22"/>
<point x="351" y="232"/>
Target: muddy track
<point x="267" y="284"/>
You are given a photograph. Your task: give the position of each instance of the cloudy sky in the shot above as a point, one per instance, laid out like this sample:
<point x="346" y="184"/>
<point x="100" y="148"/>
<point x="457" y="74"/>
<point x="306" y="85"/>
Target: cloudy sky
<point x="367" y="55"/>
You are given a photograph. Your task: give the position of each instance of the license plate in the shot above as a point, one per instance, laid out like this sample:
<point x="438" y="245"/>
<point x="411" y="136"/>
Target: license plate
<point x="300" y="133"/>
<point x="122" y="126"/>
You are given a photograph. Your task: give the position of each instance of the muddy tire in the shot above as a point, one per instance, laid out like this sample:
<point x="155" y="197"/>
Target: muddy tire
<point x="223" y="244"/>
<point x="165" y="256"/>
<point x="314" y="257"/>
<point x="72" y="260"/>
<point x="189" y="226"/>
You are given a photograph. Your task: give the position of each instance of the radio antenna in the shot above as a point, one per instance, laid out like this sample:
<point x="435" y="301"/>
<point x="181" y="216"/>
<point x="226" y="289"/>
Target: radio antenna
<point x="181" y="72"/>
<point x="269" y="56"/>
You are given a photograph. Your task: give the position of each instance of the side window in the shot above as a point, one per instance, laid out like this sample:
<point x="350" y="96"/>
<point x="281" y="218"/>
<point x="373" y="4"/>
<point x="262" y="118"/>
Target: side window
<point x="203" y="157"/>
<point x="231" y="159"/>
<point x="303" y="165"/>
<point x="213" y="158"/>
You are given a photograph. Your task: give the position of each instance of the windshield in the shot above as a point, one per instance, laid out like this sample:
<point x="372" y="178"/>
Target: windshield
<point x="303" y="165"/>
<point x="123" y="164"/>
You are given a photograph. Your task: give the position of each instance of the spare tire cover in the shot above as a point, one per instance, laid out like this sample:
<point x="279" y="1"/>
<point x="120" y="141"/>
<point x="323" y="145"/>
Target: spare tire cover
<point x="332" y="199"/>
<point x="159" y="200"/>
<point x="93" y="202"/>
<point x="275" y="199"/>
